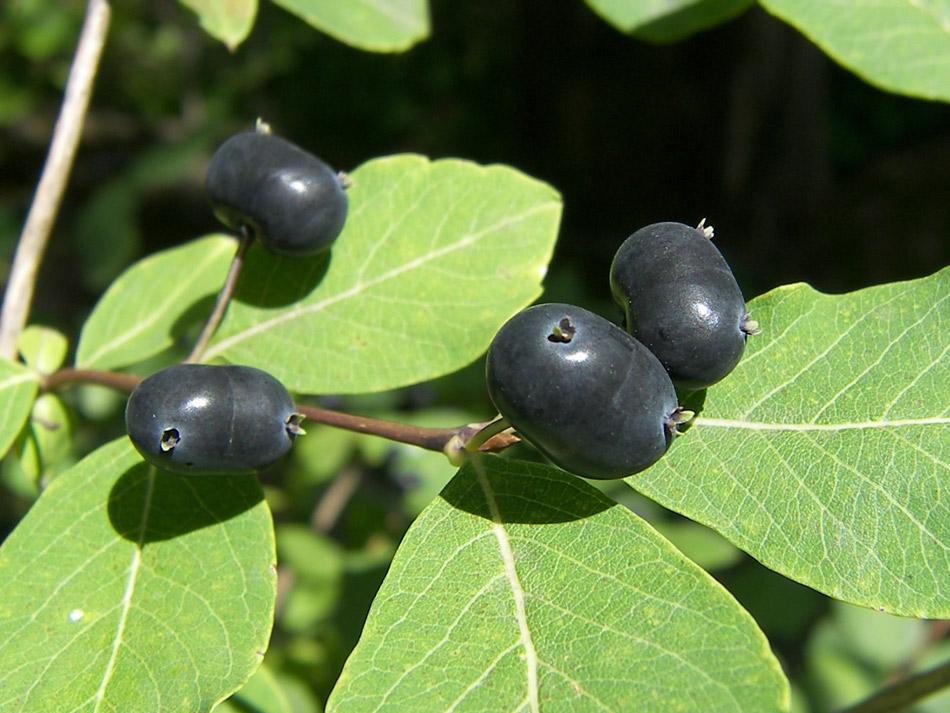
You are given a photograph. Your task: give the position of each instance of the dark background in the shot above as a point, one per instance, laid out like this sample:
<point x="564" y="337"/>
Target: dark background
<point x="806" y="172"/>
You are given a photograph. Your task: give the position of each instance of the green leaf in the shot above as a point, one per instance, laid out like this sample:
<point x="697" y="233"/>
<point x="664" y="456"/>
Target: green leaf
<point x="666" y="20"/>
<point x="152" y="303"/>
<point x="899" y="45"/>
<point x="435" y="256"/>
<point x="43" y="348"/>
<point x="826" y="453"/>
<point x="129" y="589"/>
<point x="523" y="588"/>
<point x="18" y="387"/>
<point x="691" y="18"/>
<point x="271" y="692"/>
<point x="44" y="444"/>
<point x="374" y="25"/>
<point x="227" y="20"/>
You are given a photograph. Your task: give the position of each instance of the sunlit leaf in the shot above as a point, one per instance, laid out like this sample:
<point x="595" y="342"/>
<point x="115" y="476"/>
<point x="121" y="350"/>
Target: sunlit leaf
<point x="227" y="20"/>
<point x="525" y="589"/>
<point x="435" y="256"/>
<point x="375" y="25"/>
<point x="152" y="302"/>
<point x="826" y="453"/>
<point x="18" y="387"/>
<point x="135" y="590"/>
<point x="899" y="45"/>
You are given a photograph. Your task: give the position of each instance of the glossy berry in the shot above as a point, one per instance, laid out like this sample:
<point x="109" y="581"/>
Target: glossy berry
<point x="682" y="301"/>
<point x="582" y="391"/>
<point x="288" y="198"/>
<point x="197" y="419"/>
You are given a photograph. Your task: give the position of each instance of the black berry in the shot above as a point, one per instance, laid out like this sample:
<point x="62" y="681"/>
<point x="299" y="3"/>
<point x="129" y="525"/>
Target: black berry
<point x="682" y="301"/>
<point x="582" y="391"/>
<point x="288" y="198"/>
<point x="197" y="419"/>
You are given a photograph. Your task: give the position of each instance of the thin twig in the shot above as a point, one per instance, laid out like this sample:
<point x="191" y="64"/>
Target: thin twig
<point x="432" y="439"/>
<point x="901" y="695"/>
<point x="224" y="298"/>
<point x="112" y="379"/>
<point x="49" y="192"/>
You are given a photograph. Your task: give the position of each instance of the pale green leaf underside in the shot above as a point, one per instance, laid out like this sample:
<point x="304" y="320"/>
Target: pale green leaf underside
<point x="435" y="256"/>
<point x="524" y="589"/>
<point x="18" y="387"/>
<point x="135" y="590"/>
<point x="899" y="45"/>
<point x="144" y="309"/>
<point x="676" y="18"/>
<point x="43" y="349"/>
<point x="375" y="25"/>
<point x="227" y="20"/>
<point x="826" y="453"/>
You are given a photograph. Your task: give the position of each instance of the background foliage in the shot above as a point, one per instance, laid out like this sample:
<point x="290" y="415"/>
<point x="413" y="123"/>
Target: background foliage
<point x="808" y="170"/>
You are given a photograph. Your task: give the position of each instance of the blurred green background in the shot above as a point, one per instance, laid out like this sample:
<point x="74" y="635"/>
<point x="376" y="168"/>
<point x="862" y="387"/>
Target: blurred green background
<point x="807" y="174"/>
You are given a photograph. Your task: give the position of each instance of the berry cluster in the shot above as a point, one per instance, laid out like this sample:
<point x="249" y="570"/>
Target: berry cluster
<point x="597" y="400"/>
<point x="197" y="419"/>
<point x="601" y="402"/>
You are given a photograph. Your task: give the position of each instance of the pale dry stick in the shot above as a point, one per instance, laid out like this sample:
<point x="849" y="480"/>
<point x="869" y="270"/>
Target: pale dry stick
<point x="224" y="299"/>
<point x="49" y="192"/>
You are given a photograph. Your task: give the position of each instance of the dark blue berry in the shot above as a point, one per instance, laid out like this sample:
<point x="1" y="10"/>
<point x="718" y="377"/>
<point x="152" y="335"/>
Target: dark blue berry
<point x="198" y="419"/>
<point x="682" y="301"/>
<point x="582" y="391"/>
<point x="287" y="198"/>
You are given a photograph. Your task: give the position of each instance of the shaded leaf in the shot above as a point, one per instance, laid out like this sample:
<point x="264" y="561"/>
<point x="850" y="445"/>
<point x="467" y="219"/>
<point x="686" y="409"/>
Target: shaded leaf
<point x="666" y="20"/>
<point x="152" y="302"/>
<point x="899" y="45"/>
<point x="435" y="256"/>
<point x="227" y="20"/>
<point x="693" y="17"/>
<point x="18" y="387"/>
<point x="375" y="25"/>
<point x="523" y="588"/>
<point x="826" y="453"/>
<point x="130" y="589"/>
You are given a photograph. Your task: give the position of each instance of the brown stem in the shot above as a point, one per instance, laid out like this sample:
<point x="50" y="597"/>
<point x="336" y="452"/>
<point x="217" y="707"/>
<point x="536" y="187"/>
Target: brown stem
<point x="224" y="298"/>
<point x="112" y="379"/>
<point x="900" y="696"/>
<point x="49" y="191"/>
<point x="433" y="439"/>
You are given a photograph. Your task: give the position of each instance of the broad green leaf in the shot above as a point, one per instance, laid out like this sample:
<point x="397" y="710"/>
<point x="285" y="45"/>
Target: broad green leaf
<point x="129" y="589"/>
<point x="666" y="20"/>
<point x="435" y="256"/>
<point x="826" y="453"/>
<point x="524" y="589"/>
<point x="227" y="20"/>
<point x="43" y="348"/>
<point x="152" y="303"/>
<point x="374" y="25"/>
<point x="18" y="387"/>
<point x="899" y="45"/>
